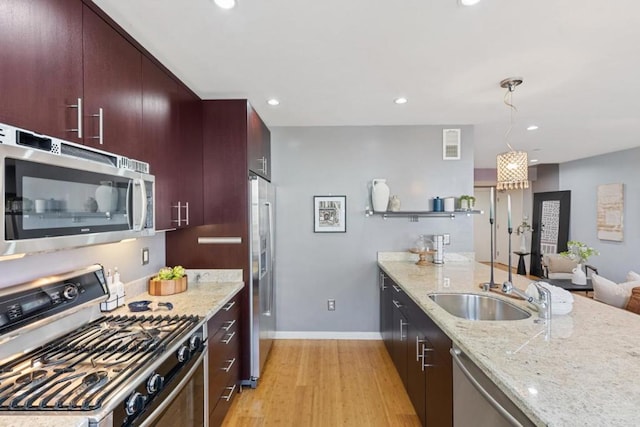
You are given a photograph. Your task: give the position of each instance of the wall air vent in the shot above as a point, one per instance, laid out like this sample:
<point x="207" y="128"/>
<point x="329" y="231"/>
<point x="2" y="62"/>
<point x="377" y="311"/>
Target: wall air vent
<point x="451" y="144"/>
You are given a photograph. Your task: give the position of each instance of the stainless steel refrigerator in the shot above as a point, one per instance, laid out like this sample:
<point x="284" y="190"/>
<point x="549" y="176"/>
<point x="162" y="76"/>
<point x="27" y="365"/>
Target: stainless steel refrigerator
<point x="262" y="293"/>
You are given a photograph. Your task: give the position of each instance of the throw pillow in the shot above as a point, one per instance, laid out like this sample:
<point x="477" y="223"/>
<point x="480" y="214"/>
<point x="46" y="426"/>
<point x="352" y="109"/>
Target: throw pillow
<point x="634" y="302"/>
<point x="560" y="264"/>
<point x="604" y="290"/>
<point x="632" y="275"/>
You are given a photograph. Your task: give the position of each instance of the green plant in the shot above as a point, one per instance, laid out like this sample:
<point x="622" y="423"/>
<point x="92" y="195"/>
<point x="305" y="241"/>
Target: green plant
<point x="579" y="251"/>
<point x="168" y="273"/>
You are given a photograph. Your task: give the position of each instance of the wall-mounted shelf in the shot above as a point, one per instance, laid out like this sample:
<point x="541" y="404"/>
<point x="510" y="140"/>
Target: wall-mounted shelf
<point x="415" y="215"/>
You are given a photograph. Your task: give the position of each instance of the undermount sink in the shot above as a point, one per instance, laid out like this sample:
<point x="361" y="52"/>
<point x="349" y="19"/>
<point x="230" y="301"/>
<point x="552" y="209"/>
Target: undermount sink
<point x="479" y="307"/>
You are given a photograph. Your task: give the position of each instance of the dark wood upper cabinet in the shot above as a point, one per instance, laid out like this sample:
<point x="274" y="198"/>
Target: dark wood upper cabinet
<point x="41" y="66"/>
<point x="259" y="145"/>
<point x="187" y="144"/>
<point x="112" y="76"/>
<point x="159" y="119"/>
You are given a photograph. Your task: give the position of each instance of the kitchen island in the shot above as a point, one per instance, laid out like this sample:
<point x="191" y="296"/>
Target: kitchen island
<point x="578" y="370"/>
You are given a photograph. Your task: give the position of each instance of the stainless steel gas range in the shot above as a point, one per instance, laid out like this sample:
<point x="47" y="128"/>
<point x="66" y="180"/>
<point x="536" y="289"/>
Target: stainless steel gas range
<point x="111" y="371"/>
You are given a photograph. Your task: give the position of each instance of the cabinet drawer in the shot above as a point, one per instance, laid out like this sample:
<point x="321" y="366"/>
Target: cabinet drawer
<point x="229" y="312"/>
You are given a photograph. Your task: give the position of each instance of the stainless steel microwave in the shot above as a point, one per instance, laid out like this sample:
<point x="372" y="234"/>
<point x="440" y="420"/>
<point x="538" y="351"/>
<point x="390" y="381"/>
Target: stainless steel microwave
<point x="57" y="194"/>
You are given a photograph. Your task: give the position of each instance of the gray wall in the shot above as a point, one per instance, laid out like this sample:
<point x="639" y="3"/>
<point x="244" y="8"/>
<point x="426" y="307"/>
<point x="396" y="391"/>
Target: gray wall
<point x="313" y="267"/>
<point x="547" y="178"/>
<point x="582" y="177"/>
<point x="124" y="255"/>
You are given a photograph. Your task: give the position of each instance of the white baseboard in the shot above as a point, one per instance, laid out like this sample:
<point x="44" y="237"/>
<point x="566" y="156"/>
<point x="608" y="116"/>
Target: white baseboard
<point x="326" y="335"/>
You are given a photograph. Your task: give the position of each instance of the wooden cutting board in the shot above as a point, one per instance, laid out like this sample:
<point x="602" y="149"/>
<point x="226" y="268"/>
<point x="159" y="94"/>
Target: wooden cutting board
<point x="167" y="287"/>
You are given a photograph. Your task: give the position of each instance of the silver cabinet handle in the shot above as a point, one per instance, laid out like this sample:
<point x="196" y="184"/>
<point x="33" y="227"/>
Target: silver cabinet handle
<point x="423" y="356"/>
<point x="186" y="208"/>
<point x="100" y="117"/>
<point x="397" y="288"/>
<point x="77" y="105"/>
<point x="266" y="166"/>
<point x="383" y="285"/>
<point x="263" y="160"/>
<point x="396" y="303"/>
<point x="402" y="325"/>
<point x="230" y="364"/>
<point x="230" y="323"/>
<point x="179" y="220"/>
<point x="230" y="395"/>
<point x="228" y="306"/>
<point x="418" y="354"/>
<point x="230" y="337"/>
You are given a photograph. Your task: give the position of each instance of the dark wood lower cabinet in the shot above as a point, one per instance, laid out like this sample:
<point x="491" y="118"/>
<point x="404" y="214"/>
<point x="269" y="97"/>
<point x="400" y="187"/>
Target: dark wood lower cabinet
<point x="420" y="352"/>
<point x="224" y="360"/>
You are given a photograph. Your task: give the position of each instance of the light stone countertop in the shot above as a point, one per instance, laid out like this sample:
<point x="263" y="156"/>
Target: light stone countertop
<point x="203" y="299"/>
<point x="582" y="370"/>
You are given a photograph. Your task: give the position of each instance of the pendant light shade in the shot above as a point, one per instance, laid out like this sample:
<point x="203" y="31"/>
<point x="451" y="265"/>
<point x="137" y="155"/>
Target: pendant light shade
<point x="512" y="166"/>
<point x="513" y="170"/>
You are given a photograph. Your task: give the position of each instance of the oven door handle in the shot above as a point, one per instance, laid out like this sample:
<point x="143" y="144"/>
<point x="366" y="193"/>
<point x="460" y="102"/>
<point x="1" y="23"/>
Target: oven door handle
<point x="176" y="390"/>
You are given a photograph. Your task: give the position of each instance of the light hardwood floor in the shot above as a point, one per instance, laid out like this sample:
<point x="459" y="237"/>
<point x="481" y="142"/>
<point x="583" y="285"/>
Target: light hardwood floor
<point x="325" y="383"/>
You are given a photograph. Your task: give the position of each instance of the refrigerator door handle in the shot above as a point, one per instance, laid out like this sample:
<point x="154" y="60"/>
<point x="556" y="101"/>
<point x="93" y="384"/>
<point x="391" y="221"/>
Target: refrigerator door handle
<point x="270" y="260"/>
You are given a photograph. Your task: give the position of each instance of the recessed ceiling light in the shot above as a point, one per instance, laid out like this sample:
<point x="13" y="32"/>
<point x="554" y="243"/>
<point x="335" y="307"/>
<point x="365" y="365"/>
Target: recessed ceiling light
<point x="225" y="4"/>
<point x="532" y="127"/>
<point x="401" y="100"/>
<point x="469" y="2"/>
<point x="533" y="161"/>
<point x="273" y="102"/>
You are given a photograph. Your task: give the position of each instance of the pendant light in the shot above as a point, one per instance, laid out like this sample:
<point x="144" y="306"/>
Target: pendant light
<point x="512" y="166"/>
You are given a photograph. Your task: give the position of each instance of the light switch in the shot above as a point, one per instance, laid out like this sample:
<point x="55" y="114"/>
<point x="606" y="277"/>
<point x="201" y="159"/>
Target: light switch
<point x="145" y="256"/>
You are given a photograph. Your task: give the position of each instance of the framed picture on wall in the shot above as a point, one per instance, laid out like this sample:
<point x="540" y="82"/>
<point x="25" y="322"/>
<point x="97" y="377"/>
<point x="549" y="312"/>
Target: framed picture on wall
<point x="330" y="214"/>
<point x="610" y="212"/>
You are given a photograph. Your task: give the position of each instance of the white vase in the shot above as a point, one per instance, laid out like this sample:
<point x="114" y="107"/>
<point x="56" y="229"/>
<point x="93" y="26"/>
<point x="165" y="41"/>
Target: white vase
<point x="579" y="277"/>
<point x="107" y="197"/>
<point x="379" y="195"/>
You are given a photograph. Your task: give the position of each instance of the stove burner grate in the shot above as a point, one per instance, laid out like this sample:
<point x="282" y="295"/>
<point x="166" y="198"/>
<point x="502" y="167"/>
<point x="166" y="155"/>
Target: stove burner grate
<point x="31" y="378"/>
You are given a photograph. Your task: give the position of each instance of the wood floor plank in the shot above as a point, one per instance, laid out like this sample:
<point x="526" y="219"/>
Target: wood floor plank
<point x="322" y="383"/>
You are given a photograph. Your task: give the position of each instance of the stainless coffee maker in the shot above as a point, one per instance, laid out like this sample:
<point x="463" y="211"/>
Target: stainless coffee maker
<point x="438" y="247"/>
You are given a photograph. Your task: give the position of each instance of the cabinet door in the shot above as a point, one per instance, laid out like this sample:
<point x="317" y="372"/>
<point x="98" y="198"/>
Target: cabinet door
<point x="386" y="311"/>
<point x="439" y="400"/>
<point x="41" y="65"/>
<point x="159" y="94"/>
<point x="259" y="145"/>
<point x="113" y="85"/>
<point x="418" y="361"/>
<point x="399" y="347"/>
<point x="188" y="149"/>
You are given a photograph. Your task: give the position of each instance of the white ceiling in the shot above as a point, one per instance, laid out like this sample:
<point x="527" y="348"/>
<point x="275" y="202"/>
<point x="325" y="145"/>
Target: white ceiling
<point x="342" y="62"/>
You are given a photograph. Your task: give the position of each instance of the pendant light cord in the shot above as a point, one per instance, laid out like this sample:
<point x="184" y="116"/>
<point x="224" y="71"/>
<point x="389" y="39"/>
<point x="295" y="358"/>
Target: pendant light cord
<point x="508" y="100"/>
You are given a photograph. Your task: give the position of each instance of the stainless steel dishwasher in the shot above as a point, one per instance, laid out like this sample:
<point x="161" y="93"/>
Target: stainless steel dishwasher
<point x="477" y="401"/>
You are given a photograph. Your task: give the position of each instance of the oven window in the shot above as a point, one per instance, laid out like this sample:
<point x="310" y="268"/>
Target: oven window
<point x="187" y="409"/>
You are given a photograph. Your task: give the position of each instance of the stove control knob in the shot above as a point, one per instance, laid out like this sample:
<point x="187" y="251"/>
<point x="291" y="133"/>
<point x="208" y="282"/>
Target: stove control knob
<point x="134" y="403"/>
<point x="154" y="383"/>
<point x="70" y="291"/>
<point x="183" y="353"/>
<point x="195" y="342"/>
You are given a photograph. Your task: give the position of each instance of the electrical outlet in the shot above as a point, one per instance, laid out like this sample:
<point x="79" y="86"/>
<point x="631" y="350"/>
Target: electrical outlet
<point x="331" y="305"/>
<point x="447" y="282"/>
<point x="446" y="240"/>
<point x="145" y="256"/>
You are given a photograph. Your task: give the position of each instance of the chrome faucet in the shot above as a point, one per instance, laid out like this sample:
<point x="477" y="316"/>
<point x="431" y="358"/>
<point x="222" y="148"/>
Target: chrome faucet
<point x="543" y="304"/>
